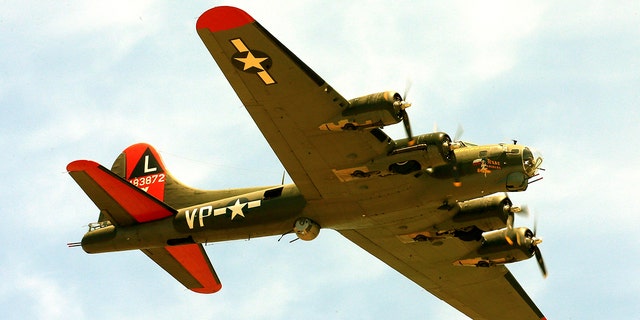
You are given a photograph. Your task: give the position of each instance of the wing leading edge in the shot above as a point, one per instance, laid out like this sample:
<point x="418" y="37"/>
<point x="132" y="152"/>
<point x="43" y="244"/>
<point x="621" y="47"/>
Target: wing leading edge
<point x="126" y="205"/>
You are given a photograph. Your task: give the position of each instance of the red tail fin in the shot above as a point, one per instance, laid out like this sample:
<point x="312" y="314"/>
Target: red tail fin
<point x="144" y="169"/>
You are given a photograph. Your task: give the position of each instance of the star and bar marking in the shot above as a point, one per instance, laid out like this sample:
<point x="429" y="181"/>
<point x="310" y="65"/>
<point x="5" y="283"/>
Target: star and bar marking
<point x="252" y="61"/>
<point x="237" y="209"/>
<point x="198" y="215"/>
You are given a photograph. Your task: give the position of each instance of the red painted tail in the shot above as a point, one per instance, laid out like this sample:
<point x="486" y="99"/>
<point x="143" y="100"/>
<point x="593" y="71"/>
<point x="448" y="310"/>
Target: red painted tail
<point x="140" y="201"/>
<point x="141" y="165"/>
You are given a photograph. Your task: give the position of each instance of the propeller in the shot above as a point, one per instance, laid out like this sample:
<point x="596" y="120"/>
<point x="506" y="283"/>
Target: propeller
<point x="534" y="241"/>
<point x="531" y="238"/>
<point x="403" y="104"/>
<point x="455" y="144"/>
<point x="405" y="115"/>
<point x="459" y="133"/>
<point x="407" y="127"/>
<point x="521" y="211"/>
<point x="536" y="251"/>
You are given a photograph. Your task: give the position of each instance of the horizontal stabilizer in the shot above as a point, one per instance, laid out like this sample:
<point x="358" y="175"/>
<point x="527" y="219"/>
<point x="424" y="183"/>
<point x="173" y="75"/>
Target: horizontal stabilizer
<point x="124" y="203"/>
<point x="189" y="265"/>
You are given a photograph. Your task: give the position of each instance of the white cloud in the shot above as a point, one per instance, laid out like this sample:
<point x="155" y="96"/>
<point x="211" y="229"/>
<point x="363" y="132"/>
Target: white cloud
<point x="37" y="295"/>
<point x="89" y="17"/>
<point x="495" y="31"/>
<point x="84" y="80"/>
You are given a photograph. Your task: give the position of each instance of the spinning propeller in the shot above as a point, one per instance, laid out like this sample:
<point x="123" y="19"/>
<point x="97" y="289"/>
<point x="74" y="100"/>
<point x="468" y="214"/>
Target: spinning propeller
<point x="403" y="104"/>
<point x="536" y="251"/>
<point x="530" y="240"/>
<point x="523" y="211"/>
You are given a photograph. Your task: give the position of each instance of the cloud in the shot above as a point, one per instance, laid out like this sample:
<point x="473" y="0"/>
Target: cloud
<point x="495" y="32"/>
<point x="84" y="80"/>
<point x="37" y="296"/>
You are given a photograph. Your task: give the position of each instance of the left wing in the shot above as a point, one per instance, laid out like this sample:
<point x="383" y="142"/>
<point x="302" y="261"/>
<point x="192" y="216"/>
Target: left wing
<point x="288" y="102"/>
<point x="480" y="293"/>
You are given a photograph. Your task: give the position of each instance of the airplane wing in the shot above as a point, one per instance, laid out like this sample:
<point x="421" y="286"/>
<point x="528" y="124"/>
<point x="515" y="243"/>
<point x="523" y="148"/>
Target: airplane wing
<point x="480" y="293"/>
<point x="287" y="101"/>
<point x="125" y="205"/>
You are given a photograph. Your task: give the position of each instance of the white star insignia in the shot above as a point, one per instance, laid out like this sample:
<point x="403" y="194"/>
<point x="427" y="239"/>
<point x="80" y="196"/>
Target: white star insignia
<point x="236" y="209"/>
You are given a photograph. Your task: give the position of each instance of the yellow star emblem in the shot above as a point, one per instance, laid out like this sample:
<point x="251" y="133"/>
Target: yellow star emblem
<point x="251" y="61"/>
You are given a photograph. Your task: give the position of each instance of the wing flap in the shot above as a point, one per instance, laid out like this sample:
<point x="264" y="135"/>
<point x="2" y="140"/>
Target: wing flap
<point x="189" y="264"/>
<point x="124" y="203"/>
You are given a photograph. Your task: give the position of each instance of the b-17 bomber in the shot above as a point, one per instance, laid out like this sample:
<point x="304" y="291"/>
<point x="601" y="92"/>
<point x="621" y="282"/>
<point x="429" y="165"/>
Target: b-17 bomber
<point x="435" y="209"/>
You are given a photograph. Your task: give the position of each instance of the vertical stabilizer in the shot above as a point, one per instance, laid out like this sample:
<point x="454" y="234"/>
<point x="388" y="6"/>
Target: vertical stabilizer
<point x="141" y="165"/>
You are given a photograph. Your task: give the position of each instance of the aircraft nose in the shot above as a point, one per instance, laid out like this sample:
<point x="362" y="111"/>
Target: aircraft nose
<point x="531" y="160"/>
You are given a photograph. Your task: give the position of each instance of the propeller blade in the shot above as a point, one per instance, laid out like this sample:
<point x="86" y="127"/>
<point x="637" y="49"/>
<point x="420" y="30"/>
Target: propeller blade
<point x="519" y="210"/>
<point x="536" y="250"/>
<point x="510" y="219"/>
<point x="524" y="211"/>
<point x="459" y="133"/>
<point x="407" y="88"/>
<point x="538" y="255"/>
<point x="407" y="127"/>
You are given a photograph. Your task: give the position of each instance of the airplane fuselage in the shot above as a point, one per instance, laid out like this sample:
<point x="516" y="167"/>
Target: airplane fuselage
<point x="406" y="201"/>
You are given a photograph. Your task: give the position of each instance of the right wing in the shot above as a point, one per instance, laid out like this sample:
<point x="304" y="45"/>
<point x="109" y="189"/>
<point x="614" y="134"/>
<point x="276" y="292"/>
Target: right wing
<point x="480" y="293"/>
<point x="288" y="102"/>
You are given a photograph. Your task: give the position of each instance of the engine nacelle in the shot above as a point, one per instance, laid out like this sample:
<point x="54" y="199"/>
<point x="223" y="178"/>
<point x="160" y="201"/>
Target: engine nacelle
<point x="432" y="151"/>
<point x="500" y="247"/>
<point x="306" y="229"/>
<point x="485" y="214"/>
<point x="368" y="112"/>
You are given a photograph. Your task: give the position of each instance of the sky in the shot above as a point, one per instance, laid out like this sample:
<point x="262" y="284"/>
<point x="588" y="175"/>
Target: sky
<point x="86" y="79"/>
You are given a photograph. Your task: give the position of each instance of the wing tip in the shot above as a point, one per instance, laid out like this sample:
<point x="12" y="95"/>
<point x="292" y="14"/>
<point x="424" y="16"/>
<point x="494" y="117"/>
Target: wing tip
<point x="207" y="290"/>
<point x="81" y="165"/>
<point x="223" y="18"/>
